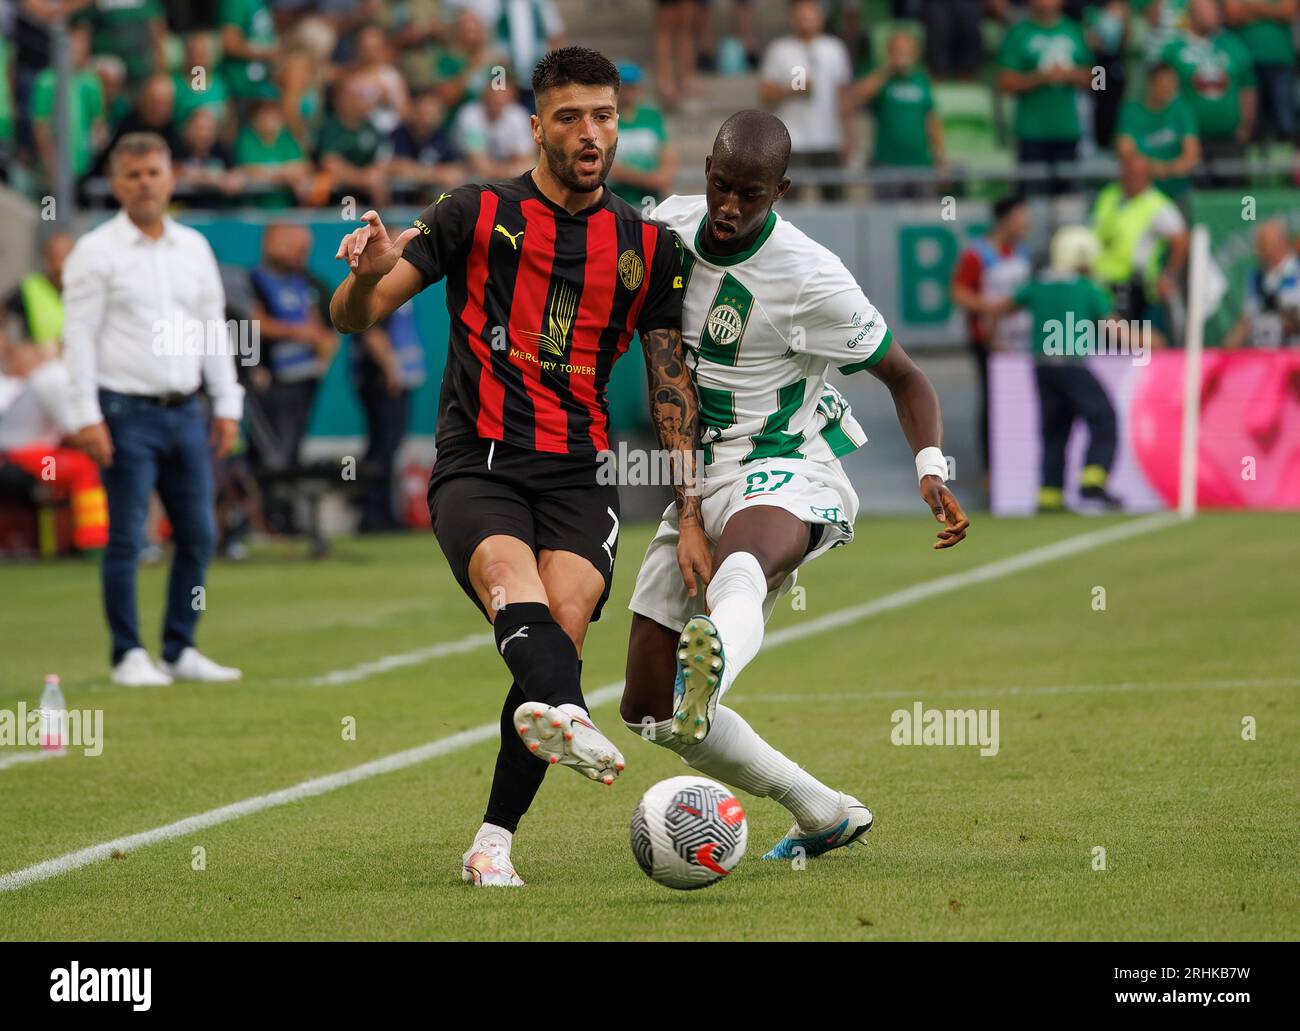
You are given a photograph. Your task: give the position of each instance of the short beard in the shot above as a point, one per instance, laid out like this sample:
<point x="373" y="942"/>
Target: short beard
<point x="562" y="169"/>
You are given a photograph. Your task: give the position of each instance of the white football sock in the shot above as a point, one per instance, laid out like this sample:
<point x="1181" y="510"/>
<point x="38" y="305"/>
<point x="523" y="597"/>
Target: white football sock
<point x="735" y="598"/>
<point x="491" y="830"/>
<point x="735" y="754"/>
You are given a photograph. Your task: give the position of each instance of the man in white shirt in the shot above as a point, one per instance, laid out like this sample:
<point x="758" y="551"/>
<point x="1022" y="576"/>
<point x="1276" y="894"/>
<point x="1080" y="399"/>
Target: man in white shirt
<point x="144" y="330"/>
<point x="495" y="134"/>
<point x="805" y="79"/>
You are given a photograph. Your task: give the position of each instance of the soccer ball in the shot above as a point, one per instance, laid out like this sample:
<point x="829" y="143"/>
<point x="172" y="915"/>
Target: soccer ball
<point x="688" y="832"/>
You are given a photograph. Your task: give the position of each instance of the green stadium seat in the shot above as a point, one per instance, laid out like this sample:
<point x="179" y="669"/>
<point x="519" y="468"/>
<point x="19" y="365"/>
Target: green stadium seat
<point x="966" y="114"/>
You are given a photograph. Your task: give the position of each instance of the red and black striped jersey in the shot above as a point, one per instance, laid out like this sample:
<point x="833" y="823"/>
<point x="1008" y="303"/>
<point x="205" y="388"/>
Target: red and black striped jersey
<point x="542" y="304"/>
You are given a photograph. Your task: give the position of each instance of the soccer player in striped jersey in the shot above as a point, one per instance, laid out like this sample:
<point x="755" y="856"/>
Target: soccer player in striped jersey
<point x="768" y="313"/>
<point x="548" y="276"/>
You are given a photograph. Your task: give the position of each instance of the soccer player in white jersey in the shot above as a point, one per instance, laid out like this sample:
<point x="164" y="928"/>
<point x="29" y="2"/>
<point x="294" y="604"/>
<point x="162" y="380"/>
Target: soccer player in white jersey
<point x="768" y="313"/>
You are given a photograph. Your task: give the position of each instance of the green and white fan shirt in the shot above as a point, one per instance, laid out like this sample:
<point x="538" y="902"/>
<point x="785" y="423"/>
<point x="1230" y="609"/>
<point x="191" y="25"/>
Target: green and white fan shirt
<point x="764" y="327"/>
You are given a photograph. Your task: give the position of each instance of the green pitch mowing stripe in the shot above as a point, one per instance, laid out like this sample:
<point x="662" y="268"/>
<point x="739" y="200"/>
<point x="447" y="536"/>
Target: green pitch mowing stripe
<point x="485" y="732"/>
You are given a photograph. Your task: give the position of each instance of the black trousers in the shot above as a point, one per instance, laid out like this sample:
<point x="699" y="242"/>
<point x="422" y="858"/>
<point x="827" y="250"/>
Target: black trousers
<point x="954" y="44"/>
<point x="1051" y="153"/>
<point x="1069" y="391"/>
<point x="1220" y="148"/>
<point x="284" y="412"/>
<point x="1106" y="103"/>
<point x="386" y="418"/>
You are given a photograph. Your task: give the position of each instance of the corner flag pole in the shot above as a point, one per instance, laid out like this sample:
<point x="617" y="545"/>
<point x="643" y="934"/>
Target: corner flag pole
<point x="1200" y="256"/>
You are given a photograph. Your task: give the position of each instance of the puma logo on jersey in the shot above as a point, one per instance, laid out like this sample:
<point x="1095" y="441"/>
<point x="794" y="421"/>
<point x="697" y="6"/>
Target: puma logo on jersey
<point x="512" y="237"/>
<point x="521" y="632"/>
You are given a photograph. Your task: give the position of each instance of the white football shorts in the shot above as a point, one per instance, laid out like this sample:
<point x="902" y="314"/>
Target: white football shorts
<point x="818" y="493"/>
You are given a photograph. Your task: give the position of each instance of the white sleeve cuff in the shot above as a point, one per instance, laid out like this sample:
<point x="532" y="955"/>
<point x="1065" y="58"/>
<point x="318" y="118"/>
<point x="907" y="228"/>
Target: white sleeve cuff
<point x="83" y="412"/>
<point x="230" y="405"/>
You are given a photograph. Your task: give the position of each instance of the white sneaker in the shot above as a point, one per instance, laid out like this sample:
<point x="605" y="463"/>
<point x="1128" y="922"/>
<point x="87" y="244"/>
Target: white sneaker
<point x="552" y="734"/>
<point x="136" y="669"/>
<point x="194" y="665"/>
<point x="487" y="865"/>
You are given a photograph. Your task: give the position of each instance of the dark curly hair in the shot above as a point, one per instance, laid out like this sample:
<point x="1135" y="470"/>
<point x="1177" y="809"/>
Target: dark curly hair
<point x="580" y="65"/>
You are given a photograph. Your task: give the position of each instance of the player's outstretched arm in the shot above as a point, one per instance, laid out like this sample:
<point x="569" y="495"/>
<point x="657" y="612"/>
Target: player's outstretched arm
<point x="675" y="411"/>
<point x="377" y="284"/>
<point x="917" y="405"/>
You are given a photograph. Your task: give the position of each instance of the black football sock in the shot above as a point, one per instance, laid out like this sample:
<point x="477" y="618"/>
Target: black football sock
<point x="518" y="772"/>
<point x="539" y="653"/>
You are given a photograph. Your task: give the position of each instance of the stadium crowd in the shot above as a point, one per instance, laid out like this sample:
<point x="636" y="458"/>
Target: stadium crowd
<point x="280" y="104"/>
<point x="285" y="103"/>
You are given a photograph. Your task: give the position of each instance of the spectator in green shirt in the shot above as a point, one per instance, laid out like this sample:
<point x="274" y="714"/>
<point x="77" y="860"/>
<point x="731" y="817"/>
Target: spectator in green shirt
<point x="134" y="30"/>
<point x="86" y="103"/>
<point x="464" y="68"/>
<point x="1218" y="80"/>
<point x="1161" y="127"/>
<point x="646" y="163"/>
<point x="899" y="97"/>
<point x="199" y="83"/>
<point x="267" y="153"/>
<point x="249" y="46"/>
<point x="1265" y="27"/>
<point x="1071" y="319"/>
<point x="415" y="30"/>
<point x="1044" y="62"/>
<point x="348" y="149"/>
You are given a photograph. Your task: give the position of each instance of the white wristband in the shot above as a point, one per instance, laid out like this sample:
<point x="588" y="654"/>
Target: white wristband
<point x="930" y="462"/>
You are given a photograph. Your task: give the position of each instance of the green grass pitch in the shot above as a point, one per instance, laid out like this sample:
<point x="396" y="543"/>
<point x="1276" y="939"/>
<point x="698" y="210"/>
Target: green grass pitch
<point x="1120" y="729"/>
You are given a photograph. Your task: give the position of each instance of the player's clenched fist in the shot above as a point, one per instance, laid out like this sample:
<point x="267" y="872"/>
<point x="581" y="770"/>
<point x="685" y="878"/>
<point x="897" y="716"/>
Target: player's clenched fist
<point x="369" y="252"/>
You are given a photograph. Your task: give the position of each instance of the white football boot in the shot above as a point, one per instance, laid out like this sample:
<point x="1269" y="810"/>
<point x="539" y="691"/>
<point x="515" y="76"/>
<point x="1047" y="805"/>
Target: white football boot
<point x="852" y="822"/>
<point x="555" y="736"/>
<point x="136" y="669"/>
<point x="487" y="865"/>
<point x="192" y="664"/>
<point x="700" y="665"/>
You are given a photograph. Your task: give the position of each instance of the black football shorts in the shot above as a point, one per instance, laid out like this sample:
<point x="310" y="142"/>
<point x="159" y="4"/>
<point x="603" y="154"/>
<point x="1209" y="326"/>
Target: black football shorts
<point x="549" y="501"/>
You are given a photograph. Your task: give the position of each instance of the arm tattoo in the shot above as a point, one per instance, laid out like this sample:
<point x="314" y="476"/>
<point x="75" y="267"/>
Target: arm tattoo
<point x="675" y="412"/>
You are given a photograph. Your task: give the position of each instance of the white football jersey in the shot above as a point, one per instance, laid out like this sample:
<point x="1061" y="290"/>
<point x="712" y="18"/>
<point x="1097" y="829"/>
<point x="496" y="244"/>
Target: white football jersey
<point x="763" y="328"/>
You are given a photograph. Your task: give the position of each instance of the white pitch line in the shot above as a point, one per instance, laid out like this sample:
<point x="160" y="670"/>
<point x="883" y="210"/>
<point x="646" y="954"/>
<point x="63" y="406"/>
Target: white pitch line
<point x="980" y="574"/>
<point x="1015" y="692"/>
<point x="485" y="732"/>
<point x="307" y="789"/>
<point x="26" y="756"/>
<point x="412" y="658"/>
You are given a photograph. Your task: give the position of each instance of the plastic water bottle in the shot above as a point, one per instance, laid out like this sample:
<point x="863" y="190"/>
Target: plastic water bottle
<point x="54" y="717"/>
